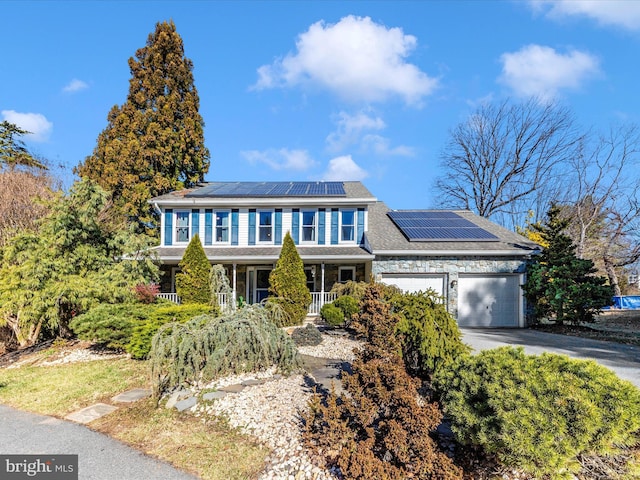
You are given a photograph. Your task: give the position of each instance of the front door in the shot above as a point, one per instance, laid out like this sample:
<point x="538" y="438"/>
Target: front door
<point x="258" y="284"/>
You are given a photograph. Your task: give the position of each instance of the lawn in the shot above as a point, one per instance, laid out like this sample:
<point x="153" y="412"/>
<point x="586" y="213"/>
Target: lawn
<point x="208" y="448"/>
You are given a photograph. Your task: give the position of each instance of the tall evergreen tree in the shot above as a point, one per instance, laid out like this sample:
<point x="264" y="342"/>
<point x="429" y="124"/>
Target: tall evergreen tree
<point x="154" y="142"/>
<point x="559" y="284"/>
<point x="288" y="283"/>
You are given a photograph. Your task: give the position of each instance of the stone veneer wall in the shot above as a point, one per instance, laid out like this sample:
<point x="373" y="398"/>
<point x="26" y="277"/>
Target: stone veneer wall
<point x="451" y="267"/>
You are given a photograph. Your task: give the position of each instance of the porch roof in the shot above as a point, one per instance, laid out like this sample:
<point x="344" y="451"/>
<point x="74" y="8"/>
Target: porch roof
<point x="252" y="254"/>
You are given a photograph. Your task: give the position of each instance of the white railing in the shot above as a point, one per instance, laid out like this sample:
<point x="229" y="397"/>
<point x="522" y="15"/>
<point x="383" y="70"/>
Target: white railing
<point x="172" y="297"/>
<point x="318" y="299"/>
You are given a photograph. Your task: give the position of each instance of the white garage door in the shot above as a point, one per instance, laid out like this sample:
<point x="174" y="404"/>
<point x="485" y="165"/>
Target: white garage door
<point x="415" y="283"/>
<point x="489" y="300"/>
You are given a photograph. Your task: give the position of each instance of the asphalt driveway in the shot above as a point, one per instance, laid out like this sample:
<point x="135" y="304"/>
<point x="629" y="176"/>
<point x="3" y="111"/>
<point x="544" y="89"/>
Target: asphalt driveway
<point x="622" y="359"/>
<point x="99" y="457"/>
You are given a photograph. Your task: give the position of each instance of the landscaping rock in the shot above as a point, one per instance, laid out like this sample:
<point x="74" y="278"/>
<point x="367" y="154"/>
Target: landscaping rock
<point x="132" y="395"/>
<point x="176" y="396"/>
<point x="185" y="404"/>
<point x="214" y="395"/>
<point x="233" y="388"/>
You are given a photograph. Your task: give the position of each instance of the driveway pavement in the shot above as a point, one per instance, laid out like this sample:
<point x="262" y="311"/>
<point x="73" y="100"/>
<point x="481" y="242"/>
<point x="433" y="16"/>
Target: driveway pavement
<point x="99" y="457"/>
<point x="622" y="359"/>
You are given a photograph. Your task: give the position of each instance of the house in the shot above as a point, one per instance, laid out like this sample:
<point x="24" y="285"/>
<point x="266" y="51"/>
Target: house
<point x="343" y="233"/>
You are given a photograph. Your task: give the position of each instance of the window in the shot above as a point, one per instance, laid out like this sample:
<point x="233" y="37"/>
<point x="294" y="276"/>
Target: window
<point x="265" y="227"/>
<point x="310" y="273"/>
<point x="222" y="227"/>
<point x="182" y="227"/>
<point x="348" y="229"/>
<point x="346" y="274"/>
<point x="308" y="226"/>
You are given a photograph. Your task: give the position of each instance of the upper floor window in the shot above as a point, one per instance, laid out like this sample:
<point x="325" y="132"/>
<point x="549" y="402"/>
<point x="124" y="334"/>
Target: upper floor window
<point x="348" y="226"/>
<point x="182" y="226"/>
<point x="309" y="226"/>
<point x="222" y="227"/>
<point x="265" y="226"/>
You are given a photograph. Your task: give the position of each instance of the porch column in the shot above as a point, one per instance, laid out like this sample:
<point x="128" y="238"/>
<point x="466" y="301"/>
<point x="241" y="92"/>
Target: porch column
<point x="322" y="284"/>
<point x="234" y="282"/>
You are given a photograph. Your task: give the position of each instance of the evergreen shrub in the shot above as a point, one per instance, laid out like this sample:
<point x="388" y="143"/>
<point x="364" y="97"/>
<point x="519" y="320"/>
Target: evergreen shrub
<point x="192" y="283"/>
<point x="129" y="327"/>
<point x="331" y="314"/>
<point x="208" y="347"/>
<point x="350" y="288"/>
<point x="288" y="284"/>
<point x="539" y="413"/>
<point x="348" y="305"/>
<point x="309" y="335"/>
<point x="380" y="428"/>
<point x="429" y="335"/>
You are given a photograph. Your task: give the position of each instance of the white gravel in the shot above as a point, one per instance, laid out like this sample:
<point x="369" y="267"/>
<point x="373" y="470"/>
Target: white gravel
<point x="272" y="413"/>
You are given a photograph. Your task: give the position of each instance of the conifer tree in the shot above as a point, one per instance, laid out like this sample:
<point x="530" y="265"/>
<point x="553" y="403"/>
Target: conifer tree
<point x="559" y="284"/>
<point x="288" y="283"/>
<point x="154" y="142"/>
<point x="192" y="283"/>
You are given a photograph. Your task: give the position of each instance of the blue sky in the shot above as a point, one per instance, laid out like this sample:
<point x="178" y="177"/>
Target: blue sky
<point x="321" y="90"/>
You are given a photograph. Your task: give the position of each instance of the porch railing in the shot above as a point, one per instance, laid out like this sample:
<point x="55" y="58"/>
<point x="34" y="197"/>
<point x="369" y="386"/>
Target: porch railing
<point x="318" y="299"/>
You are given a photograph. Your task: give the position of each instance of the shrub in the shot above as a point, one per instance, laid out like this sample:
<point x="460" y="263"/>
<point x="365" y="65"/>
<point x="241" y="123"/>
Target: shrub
<point x="146" y="292"/>
<point x="192" y="283"/>
<point x="350" y="288"/>
<point x="429" y="334"/>
<point x="288" y="283"/>
<point x="130" y="326"/>
<point x="205" y="348"/>
<point x="332" y="315"/>
<point x="539" y="413"/>
<point x="348" y="305"/>
<point x="381" y="427"/>
<point x="309" y="335"/>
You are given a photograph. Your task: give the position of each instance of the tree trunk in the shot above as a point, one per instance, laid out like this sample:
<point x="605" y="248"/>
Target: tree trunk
<point x="613" y="277"/>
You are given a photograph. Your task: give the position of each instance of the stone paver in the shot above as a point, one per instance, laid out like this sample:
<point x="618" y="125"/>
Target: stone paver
<point x="232" y="388"/>
<point x="186" y="404"/>
<point x="89" y="414"/>
<point x="252" y="382"/>
<point x="132" y="395"/>
<point x="214" y="395"/>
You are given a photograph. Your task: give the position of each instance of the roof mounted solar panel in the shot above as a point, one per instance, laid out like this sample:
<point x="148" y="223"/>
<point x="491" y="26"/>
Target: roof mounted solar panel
<point x="269" y="189"/>
<point x="438" y="226"/>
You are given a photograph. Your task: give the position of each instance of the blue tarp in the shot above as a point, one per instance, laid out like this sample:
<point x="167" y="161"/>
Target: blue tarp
<point x="627" y="302"/>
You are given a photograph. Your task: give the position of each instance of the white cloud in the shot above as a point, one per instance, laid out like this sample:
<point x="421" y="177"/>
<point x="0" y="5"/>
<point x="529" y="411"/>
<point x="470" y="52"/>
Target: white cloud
<point x="382" y="146"/>
<point x="357" y="59"/>
<point x="344" y="168"/>
<point x="75" y="85"/>
<point x="622" y="13"/>
<point x="536" y="70"/>
<point x="282" y="159"/>
<point x="35" y="123"/>
<point x="350" y="129"/>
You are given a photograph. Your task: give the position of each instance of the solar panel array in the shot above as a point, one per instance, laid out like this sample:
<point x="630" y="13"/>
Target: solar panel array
<point x="270" y="189"/>
<point x="439" y="226"/>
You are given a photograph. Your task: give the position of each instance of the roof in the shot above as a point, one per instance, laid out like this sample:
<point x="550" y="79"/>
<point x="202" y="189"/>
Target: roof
<point x="246" y="193"/>
<point x="387" y="239"/>
<point x="253" y="253"/>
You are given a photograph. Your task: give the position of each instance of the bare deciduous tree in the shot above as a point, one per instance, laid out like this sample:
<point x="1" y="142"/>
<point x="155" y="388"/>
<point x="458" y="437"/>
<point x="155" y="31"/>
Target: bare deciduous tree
<point x="505" y="154"/>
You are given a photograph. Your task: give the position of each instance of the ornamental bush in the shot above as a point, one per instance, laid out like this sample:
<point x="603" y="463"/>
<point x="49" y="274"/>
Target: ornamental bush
<point x="381" y="427"/>
<point x="332" y="315"/>
<point x="208" y="347"/>
<point x="541" y="413"/>
<point x="349" y="307"/>
<point x="309" y="335"/>
<point x="130" y="326"/>
<point x="429" y="335"/>
<point x="192" y="283"/>
<point x="288" y="283"/>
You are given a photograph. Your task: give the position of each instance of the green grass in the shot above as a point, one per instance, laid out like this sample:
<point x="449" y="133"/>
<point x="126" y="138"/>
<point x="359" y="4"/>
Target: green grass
<point x="206" y="447"/>
<point x="61" y="389"/>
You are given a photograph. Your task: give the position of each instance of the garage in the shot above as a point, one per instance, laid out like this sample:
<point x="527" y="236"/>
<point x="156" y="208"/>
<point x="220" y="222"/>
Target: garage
<point x="489" y="301"/>
<point x="416" y="282"/>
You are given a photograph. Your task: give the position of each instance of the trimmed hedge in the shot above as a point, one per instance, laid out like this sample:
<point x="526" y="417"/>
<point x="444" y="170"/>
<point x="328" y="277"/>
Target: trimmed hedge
<point x="131" y="326"/>
<point x="332" y="315"/>
<point x="539" y="413"/>
<point x="349" y="307"/>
